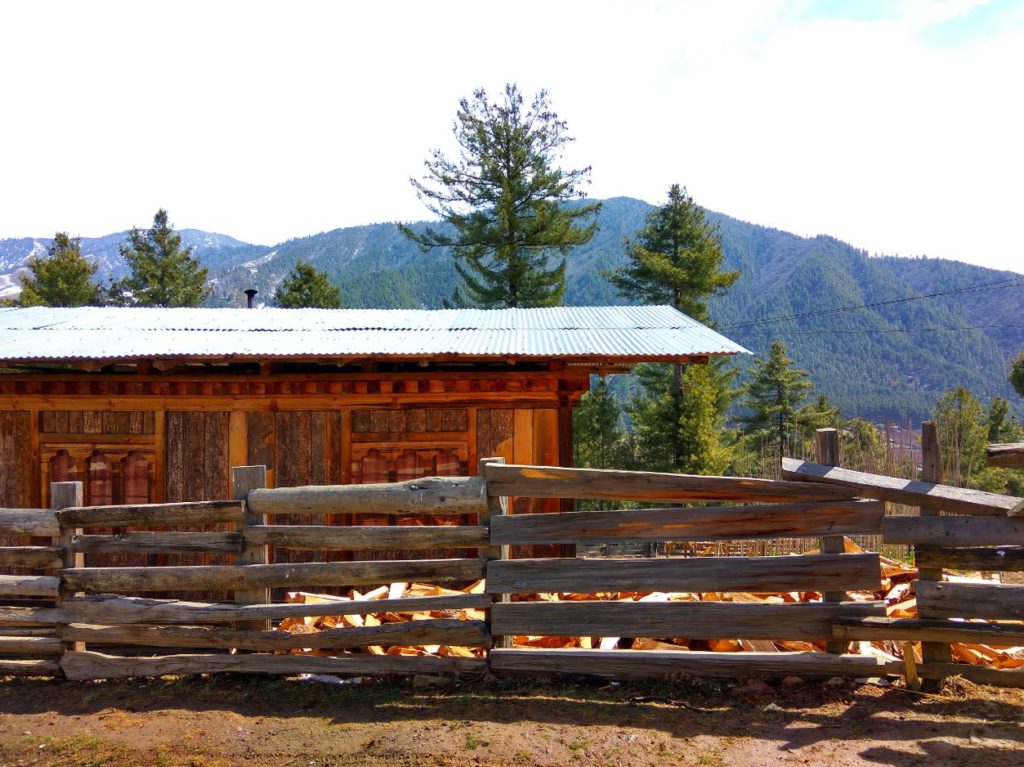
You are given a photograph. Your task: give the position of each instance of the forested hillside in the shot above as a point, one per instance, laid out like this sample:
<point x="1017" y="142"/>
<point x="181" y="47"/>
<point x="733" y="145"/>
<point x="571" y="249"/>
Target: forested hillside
<point x="891" y="360"/>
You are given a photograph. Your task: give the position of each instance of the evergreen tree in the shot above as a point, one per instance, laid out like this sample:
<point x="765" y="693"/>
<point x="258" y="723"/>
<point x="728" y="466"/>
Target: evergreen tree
<point x="1002" y="424"/>
<point x="774" y="398"/>
<point x="597" y="429"/>
<point x="306" y="286"/>
<point x="161" y="272"/>
<point x="503" y="196"/>
<point x="1017" y="374"/>
<point x="679" y="418"/>
<point x="963" y="433"/>
<point x="863" y="446"/>
<point x="63" y="278"/>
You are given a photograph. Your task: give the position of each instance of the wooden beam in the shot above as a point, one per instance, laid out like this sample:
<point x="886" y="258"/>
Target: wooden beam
<point x="36" y="557"/>
<point x="420" y="632"/>
<point x="1002" y="559"/>
<point x="645" y="664"/>
<point x="757" y="574"/>
<point x="158" y="542"/>
<point x="993" y="601"/>
<point x="872" y="628"/>
<point x="83" y="666"/>
<point x="692" y="620"/>
<point x="30" y="645"/>
<point x="28" y="667"/>
<point x="245" y="479"/>
<point x="429" y="495"/>
<point x="153" y="514"/>
<point x="327" y="537"/>
<point x="702" y="524"/>
<point x="38" y="522"/>
<point x="958" y="500"/>
<point x="45" y="586"/>
<point x="953" y="531"/>
<point x="1000" y="677"/>
<point x="1007" y="456"/>
<point x="122" y="580"/>
<point x="931" y="471"/>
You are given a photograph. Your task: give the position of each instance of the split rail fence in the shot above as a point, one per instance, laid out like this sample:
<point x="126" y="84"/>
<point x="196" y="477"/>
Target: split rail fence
<point x="61" y="616"/>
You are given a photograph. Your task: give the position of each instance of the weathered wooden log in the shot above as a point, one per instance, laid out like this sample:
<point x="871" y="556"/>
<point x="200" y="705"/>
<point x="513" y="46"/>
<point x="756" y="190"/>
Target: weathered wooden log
<point x="444" y="631"/>
<point x="92" y="665"/>
<point x="28" y="667"/>
<point x="317" y="537"/>
<point x="1007" y="456"/>
<point x="999" y="677"/>
<point x="693" y="620"/>
<point x="153" y="514"/>
<point x="760" y="574"/>
<point x="31" y="616"/>
<point x="958" y="500"/>
<point x="28" y="631"/>
<point x="953" y="531"/>
<point x="37" y="557"/>
<point x="871" y="628"/>
<point x="1001" y="559"/>
<point x="158" y="542"/>
<point x="706" y="524"/>
<point x="41" y="522"/>
<point x="993" y="601"/>
<point x="28" y="586"/>
<point x="644" y="664"/>
<point x="429" y="495"/>
<point x="29" y="645"/>
<point x="122" y="580"/>
<point x="559" y="482"/>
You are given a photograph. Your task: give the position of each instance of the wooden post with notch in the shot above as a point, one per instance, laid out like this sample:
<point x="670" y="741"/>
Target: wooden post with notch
<point x="931" y="471"/>
<point x="496" y="505"/>
<point x="826" y="448"/>
<point x="244" y="479"/>
<point x="64" y="495"/>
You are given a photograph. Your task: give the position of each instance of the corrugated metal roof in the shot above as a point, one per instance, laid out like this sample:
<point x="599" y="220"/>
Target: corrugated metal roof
<point x="106" y="333"/>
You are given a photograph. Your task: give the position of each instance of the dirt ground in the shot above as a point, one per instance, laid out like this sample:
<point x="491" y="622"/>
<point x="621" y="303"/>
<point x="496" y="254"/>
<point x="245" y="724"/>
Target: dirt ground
<point x="253" y="721"/>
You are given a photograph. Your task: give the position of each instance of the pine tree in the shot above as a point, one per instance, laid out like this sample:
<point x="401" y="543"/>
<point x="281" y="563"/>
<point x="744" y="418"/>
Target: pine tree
<point x="306" y="286"/>
<point x="679" y="418"/>
<point x="63" y="278"/>
<point x="597" y="429"/>
<point x="504" y="197"/>
<point x="161" y="272"/>
<point x="774" y="397"/>
<point x="963" y="433"/>
<point x="1003" y="425"/>
<point x="1017" y="374"/>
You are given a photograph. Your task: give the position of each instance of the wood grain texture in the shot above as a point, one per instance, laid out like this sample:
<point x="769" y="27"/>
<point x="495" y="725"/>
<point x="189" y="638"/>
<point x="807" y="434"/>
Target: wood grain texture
<point x="126" y="580"/>
<point x="41" y="522"/>
<point x="420" y="632"/>
<point x="607" y="484"/>
<point x="645" y="664"/>
<point x="757" y="574"/>
<point x="29" y="645"/>
<point x="430" y="495"/>
<point x="1007" y="455"/>
<point x="83" y="666"/>
<point x="29" y="586"/>
<point x="36" y="557"/>
<point x="16" y="459"/>
<point x="953" y="531"/>
<point x="115" y="609"/>
<point x="320" y="537"/>
<point x="993" y="601"/>
<point x="872" y="628"/>
<point x="692" y="620"/>
<point x="911" y="492"/>
<point x="1001" y="559"/>
<point x="153" y="514"/>
<point x="11" y="615"/>
<point x="706" y="524"/>
<point x="158" y="542"/>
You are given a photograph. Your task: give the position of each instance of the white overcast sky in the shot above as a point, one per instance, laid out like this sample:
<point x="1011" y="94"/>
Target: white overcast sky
<point x="897" y="126"/>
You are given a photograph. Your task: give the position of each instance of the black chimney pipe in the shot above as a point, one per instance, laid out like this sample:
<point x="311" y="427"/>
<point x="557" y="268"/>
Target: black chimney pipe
<point x="250" y="294"/>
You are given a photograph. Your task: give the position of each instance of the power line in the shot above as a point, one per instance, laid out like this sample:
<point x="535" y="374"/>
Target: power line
<point x="895" y="330"/>
<point x="853" y="307"/>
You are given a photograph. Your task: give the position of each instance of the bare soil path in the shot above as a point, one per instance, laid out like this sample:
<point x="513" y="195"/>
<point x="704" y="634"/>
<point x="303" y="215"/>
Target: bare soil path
<point x="251" y="721"/>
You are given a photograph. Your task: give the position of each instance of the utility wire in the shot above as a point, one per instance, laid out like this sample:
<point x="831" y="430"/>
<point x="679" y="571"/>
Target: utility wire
<point x="788" y="317"/>
<point x="895" y="330"/>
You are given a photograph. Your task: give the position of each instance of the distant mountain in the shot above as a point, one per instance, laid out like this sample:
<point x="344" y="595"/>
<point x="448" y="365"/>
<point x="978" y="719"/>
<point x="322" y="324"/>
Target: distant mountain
<point x="864" y="359"/>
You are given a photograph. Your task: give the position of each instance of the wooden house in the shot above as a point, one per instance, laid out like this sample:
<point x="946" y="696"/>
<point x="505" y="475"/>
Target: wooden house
<point x="158" y="404"/>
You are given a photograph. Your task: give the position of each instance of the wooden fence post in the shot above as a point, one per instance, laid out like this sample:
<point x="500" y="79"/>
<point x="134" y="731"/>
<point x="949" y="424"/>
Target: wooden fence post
<point x="931" y="471"/>
<point x="64" y="495"/>
<point x="244" y="479"/>
<point x="496" y="505"/>
<point x="826" y="447"/>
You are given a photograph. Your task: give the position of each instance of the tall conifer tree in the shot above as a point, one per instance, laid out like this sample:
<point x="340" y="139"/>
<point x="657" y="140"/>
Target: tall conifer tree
<point x="504" y="196"/>
<point x="63" y="278"/>
<point x="774" y="397"/>
<point x="307" y="286"/>
<point x="161" y="272"/>
<point x="677" y="259"/>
